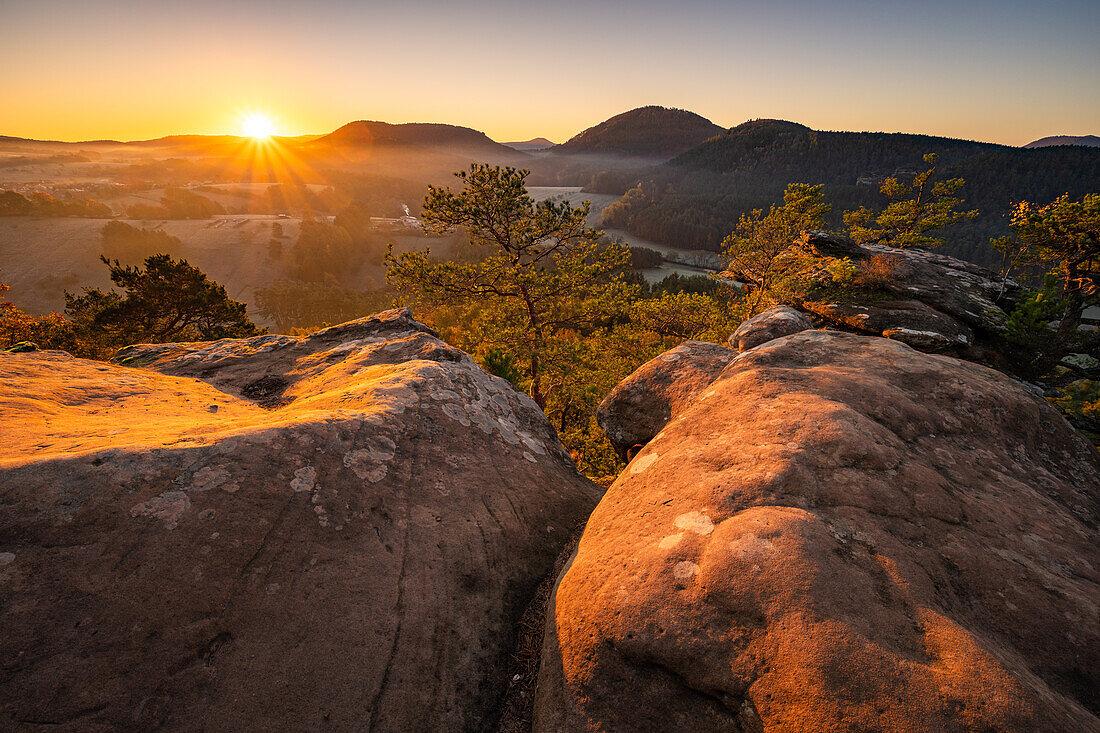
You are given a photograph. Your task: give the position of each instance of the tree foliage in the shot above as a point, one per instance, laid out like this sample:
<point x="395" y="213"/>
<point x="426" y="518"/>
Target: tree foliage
<point x="1061" y="238"/>
<point x="1065" y="237"/>
<point x="917" y="208"/>
<point x="13" y="203"/>
<point x="333" y="251"/>
<point x="177" y="203"/>
<point x="1037" y="347"/>
<point x="163" y="300"/>
<point x="131" y="244"/>
<point x="322" y="251"/>
<point x="545" y="276"/>
<point x="1080" y="403"/>
<point x="760" y="252"/>
<point x="680" y="316"/>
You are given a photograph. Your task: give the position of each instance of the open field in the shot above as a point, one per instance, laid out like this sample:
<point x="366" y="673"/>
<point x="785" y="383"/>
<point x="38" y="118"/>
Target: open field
<point x="41" y="258"/>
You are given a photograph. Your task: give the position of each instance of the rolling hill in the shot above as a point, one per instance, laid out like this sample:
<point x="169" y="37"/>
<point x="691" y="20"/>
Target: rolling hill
<point x="647" y="132"/>
<point x="1091" y="141"/>
<point x="373" y="134"/>
<point x="536" y="143"/>
<point x="696" y="199"/>
<point x="781" y="148"/>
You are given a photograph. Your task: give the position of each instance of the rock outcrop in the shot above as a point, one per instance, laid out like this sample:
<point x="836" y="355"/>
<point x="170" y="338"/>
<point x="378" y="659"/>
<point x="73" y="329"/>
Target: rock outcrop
<point x="643" y="403"/>
<point x="781" y="320"/>
<point x="940" y="302"/>
<point x="838" y="533"/>
<point x="331" y="532"/>
<point x="909" y="321"/>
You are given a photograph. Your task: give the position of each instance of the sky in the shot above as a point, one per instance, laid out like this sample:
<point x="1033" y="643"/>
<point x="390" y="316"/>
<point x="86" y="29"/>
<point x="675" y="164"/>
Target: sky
<point x="1003" y="71"/>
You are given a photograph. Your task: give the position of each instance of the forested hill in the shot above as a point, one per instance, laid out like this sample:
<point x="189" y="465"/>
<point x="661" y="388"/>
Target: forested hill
<point x="779" y="148"/>
<point x="646" y="132"/>
<point x="695" y="199"/>
<point x="1091" y="141"/>
<point x="366" y="133"/>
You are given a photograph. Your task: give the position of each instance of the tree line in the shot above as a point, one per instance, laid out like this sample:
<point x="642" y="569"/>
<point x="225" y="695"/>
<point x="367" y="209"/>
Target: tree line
<point x="693" y="201"/>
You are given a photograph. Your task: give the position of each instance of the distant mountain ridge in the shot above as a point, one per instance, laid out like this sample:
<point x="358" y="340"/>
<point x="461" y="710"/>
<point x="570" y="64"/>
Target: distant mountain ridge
<point x="535" y="143"/>
<point x="645" y="132"/>
<point x="826" y="157"/>
<point x="696" y="199"/>
<point x="1090" y="141"/>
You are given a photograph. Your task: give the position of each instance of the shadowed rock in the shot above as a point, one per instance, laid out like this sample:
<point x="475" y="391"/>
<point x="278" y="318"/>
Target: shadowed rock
<point x="642" y="404"/>
<point x="909" y="321"/>
<point x="838" y="533"/>
<point x="773" y="323"/>
<point x="961" y="290"/>
<point x="337" y="531"/>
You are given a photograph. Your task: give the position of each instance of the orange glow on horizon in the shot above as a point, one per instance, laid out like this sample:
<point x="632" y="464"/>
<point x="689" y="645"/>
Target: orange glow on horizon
<point x="257" y="126"/>
<point x="131" y="70"/>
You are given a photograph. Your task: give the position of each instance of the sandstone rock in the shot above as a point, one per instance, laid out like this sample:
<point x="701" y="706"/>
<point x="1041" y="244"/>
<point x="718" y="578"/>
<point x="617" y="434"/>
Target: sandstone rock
<point x="174" y="554"/>
<point x="909" y="321"/>
<point x="1082" y="362"/>
<point x="833" y="245"/>
<point x="839" y="533"/>
<point x="773" y="323"/>
<point x="960" y="289"/>
<point x="642" y="404"/>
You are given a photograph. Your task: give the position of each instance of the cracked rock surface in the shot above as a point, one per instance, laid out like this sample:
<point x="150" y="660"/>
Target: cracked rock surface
<point x="330" y="532"/>
<point x="838" y="533"/>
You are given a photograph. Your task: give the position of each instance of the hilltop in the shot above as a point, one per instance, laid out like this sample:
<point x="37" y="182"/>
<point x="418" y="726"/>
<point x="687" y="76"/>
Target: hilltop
<point x="370" y="133"/>
<point x="776" y="146"/>
<point x="645" y="132"/>
<point x="1091" y="141"/>
<point x="535" y="143"/>
<point x="697" y="178"/>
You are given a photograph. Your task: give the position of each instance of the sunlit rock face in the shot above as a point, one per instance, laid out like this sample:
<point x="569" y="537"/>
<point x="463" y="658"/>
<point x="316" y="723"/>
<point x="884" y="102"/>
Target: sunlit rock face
<point x="773" y="323"/>
<point x="838" y="533"/>
<point x="274" y="533"/>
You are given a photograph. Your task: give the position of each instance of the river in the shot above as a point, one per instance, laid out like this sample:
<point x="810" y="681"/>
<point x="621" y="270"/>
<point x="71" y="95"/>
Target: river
<point x="680" y="261"/>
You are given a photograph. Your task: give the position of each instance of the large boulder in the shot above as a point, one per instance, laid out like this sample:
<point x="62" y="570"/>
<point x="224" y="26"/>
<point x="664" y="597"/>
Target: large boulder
<point x="839" y="533"/>
<point x="640" y="406"/>
<point x="331" y="532"/>
<point x="961" y="290"/>
<point x="909" y="321"/>
<point x="775" y="322"/>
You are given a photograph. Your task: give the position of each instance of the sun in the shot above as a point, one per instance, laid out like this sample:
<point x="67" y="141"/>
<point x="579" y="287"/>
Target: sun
<point x="258" y="126"/>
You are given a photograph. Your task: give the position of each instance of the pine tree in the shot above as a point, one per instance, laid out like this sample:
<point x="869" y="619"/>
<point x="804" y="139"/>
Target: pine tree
<point x="916" y="209"/>
<point x="544" y="276"/>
